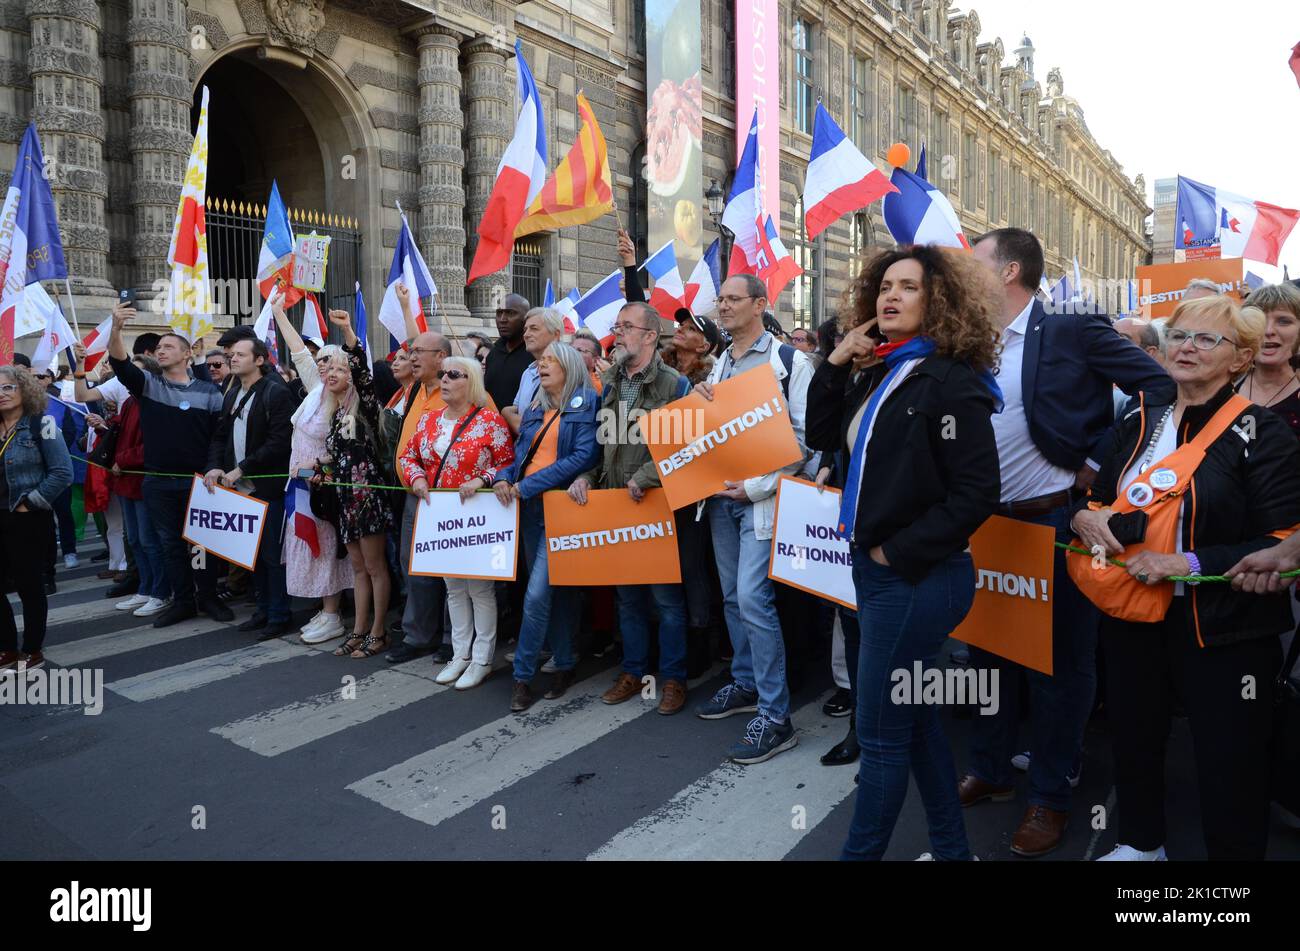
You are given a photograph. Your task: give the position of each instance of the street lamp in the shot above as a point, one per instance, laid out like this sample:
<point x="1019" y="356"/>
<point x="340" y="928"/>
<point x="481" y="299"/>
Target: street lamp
<point x="714" y="204"/>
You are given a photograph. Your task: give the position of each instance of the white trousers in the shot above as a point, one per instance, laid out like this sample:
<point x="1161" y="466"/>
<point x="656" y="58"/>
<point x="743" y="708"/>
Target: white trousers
<point x="839" y="666"/>
<point x="472" y="603"/>
<point x="114" y="536"/>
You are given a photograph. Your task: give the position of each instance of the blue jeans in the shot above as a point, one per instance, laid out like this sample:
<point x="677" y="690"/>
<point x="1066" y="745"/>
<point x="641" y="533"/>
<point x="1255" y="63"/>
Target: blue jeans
<point x="902" y="623"/>
<point x="268" y="570"/>
<point x="148" y="551"/>
<point x="750" y="606"/>
<point x="1059" y="705"/>
<point x="634" y="611"/>
<point x="547" y="610"/>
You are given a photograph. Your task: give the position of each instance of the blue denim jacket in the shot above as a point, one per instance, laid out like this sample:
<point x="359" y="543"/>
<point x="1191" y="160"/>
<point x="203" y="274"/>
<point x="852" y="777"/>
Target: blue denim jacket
<point x="37" y="469"/>
<point x="577" y="452"/>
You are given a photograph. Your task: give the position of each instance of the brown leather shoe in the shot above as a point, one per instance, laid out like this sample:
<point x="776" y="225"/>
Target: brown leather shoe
<point x="1041" y="831"/>
<point x="521" y="698"/>
<point x="674" y="697"/>
<point x="625" y="688"/>
<point x="9" y="659"/>
<point x="561" y="682"/>
<point x="972" y="790"/>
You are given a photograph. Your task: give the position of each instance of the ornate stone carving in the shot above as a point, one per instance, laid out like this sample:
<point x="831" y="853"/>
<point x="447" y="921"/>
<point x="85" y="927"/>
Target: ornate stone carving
<point x="297" y="20"/>
<point x="214" y="34"/>
<point x="363" y="74"/>
<point x="388" y="119"/>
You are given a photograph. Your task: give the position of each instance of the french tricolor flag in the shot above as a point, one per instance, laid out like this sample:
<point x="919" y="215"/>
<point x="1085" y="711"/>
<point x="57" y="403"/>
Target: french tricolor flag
<point x="96" y="342"/>
<point x="297" y="514"/>
<point x="776" y="267"/>
<point x="598" y="308"/>
<point x="565" y="306"/>
<point x="408" y="267"/>
<point x="520" y="177"/>
<point x="840" y="179"/>
<point x="741" y="213"/>
<point x="668" y="293"/>
<point x="705" y="280"/>
<point x="314" y="326"/>
<point x="1241" y="227"/>
<point x="918" y="213"/>
<point x="275" y="259"/>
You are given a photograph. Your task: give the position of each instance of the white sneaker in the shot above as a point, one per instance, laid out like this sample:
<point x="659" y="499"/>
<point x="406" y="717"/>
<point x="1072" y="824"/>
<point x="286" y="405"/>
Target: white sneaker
<point x="1126" y="853"/>
<point x="71" y="561"/>
<point x="927" y="857"/>
<point x="474" y="675"/>
<point x="133" y="602"/>
<point x="314" y="622"/>
<point x="549" y="666"/>
<point x="329" y="628"/>
<point x="151" y="607"/>
<point x="451" y="673"/>
<point x="1021" y="762"/>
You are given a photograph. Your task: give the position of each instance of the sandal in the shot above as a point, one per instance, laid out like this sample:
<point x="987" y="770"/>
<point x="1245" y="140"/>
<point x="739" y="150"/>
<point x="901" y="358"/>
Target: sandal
<point x="353" y="643"/>
<point x="370" y="647"/>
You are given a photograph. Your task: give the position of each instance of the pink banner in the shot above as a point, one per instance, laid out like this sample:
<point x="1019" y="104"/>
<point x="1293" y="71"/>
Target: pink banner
<point x="758" y="78"/>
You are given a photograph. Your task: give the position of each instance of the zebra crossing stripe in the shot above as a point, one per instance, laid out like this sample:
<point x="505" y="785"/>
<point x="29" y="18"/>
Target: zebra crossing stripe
<point x="180" y="678"/>
<point x="75" y="653"/>
<point x="434" y="786"/>
<point x="736" y="812"/>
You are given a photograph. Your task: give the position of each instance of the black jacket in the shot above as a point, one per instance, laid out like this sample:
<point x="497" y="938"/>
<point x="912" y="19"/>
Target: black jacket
<point x="268" y="438"/>
<point x="931" y="476"/>
<point x="1244" y="489"/>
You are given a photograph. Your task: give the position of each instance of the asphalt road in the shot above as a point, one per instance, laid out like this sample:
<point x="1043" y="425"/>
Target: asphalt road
<point x="211" y="746"/>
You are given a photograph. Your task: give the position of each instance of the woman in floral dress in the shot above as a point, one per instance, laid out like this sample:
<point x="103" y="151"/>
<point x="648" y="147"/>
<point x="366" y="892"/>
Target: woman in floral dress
<point x="364" y="515"/>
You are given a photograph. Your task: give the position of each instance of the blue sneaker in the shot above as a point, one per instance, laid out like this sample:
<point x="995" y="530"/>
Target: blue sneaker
<point x="763" y="739"/>
<point x="730" y="699"/>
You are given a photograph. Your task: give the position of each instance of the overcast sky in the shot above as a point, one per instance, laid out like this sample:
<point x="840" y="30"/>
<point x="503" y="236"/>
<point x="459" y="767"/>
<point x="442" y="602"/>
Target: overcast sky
<point x="1195" y="88"/>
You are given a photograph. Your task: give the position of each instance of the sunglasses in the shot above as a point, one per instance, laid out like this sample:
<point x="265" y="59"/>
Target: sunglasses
<point x="216" y="365"/>
<point x="454" y="375"/>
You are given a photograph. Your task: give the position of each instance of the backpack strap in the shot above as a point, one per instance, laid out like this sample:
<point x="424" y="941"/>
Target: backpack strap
<point x="786" y="353"/>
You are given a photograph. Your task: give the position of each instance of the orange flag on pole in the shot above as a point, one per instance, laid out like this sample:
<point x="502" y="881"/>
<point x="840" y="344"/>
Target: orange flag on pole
<point x="580" y="189"/>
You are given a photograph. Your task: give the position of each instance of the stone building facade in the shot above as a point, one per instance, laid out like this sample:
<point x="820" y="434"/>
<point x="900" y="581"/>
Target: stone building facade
<point x="357" y="106"/>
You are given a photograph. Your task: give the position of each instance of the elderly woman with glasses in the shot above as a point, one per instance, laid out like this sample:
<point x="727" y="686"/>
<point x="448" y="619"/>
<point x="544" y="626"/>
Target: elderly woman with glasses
<point x="1216" y="651"/>
<point x="556" y="444"/>
<point x="319" y="573"/>
<point x="462" y="446"/>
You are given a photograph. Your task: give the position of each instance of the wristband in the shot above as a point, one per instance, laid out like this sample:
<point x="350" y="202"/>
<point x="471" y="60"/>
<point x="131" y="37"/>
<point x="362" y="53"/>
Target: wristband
<point x="1193" y="564"/>
<point x="79" y="375"/>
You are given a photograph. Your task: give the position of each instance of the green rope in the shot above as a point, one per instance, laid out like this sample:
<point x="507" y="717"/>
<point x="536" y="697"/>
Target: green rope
<point x="271" y="475"/>
<point x="1193" y="579"/>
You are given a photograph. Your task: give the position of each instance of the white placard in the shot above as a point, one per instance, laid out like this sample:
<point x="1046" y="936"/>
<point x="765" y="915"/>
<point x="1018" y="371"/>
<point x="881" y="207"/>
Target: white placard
<point x="475" y="539"/>
<point x="806" y="552"/>
<point x="225" y="523"/>
<point x="311" y="254"/>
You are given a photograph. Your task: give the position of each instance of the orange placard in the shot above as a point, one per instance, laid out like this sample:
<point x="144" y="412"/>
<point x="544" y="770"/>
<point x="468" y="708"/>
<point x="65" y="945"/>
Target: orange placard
<point x="699" y="444"/>
<point x="1161" y="286"/>
<point x="611" y="539"/>
<point x="1014" y="588"/>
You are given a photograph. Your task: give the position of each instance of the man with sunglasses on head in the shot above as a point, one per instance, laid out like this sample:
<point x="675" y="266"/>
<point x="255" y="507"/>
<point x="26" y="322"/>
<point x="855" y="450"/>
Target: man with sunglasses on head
<point x="741" y="517"/>
<point x="426" y="597"/>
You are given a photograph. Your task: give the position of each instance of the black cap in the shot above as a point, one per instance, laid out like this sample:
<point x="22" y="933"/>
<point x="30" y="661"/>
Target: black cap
<point x="772" y="325"/>
<point x="22" y="360"/>
<point x="703" y="324"/>
<point x="235" y="334"/>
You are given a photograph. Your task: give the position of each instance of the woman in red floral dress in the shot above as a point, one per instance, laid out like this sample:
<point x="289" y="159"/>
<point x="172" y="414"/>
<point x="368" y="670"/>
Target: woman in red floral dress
<point x="462" y="447"/>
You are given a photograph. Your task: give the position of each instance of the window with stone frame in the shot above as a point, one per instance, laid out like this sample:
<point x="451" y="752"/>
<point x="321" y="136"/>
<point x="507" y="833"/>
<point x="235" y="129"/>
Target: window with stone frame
<point x="804" y="97"/>
<point x="861" y="96"/>
<point x="804" y="289"/>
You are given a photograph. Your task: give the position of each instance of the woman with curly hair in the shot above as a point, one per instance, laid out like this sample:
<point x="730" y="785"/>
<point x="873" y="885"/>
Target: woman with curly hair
<point x="906" y="399"/>
<point x="34" y="471"/>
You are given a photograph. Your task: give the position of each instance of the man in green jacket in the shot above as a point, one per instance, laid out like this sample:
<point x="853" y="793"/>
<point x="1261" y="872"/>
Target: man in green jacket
<point x="638" y="383"/>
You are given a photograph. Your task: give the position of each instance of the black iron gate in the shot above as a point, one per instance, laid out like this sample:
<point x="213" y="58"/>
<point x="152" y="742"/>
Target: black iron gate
<point x="526" y="269"/>
<point x="235" y="239"/>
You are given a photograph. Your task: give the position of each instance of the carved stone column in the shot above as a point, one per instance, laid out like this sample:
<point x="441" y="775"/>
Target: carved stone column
<point x="67" y="80"/>
<point x="442" y="162"/>
<point x="160" y="140"/>
<point x="489" y="126"/>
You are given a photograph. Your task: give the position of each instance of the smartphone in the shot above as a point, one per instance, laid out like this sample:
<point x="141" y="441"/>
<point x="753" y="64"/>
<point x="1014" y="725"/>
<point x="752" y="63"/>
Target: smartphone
<point x="126" y="296"/>
<point x="306" y="473"/>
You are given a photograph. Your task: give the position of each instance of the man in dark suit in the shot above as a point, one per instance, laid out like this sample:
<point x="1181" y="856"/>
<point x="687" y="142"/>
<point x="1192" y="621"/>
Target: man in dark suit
<point x="252" y="438"/>
<point x="1056" y="371"/>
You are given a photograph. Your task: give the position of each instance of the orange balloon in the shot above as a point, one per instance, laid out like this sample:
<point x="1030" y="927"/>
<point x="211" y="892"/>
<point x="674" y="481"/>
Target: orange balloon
<point x="898" y="155"/>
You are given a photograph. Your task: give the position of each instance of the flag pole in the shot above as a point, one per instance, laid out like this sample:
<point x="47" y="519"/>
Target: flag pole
<point x="72" y="305"/>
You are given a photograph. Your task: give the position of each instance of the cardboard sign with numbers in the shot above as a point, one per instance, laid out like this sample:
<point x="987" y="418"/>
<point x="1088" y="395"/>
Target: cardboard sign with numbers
<point x="311" y="253"/>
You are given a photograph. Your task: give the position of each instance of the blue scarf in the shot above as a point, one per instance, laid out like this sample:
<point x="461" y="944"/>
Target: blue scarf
<point x="916" y="348"/>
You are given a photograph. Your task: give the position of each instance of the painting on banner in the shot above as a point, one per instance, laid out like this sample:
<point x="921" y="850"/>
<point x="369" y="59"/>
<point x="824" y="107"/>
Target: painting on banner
<point x="225" y="523"/>
<point x="477" y="538"/>
<point x="699" y="444"/>
<point x="806" y="552"/>
<point x="1162" y="285"/>
<point x="1012" y="613"/>
<point x="610" y="540"/>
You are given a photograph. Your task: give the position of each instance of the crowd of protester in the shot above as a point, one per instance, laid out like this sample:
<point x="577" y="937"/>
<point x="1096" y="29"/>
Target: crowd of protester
<point x="949" y="390"/>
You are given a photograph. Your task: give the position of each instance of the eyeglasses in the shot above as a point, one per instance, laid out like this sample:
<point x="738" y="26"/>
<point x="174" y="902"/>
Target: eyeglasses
<point x="1202" y="340"/>
<point x="427" y="350"/>
<point x="455" y="375"/>
<point x="8" y="389"/>
<point x="547" y="359"/>
<point x="622" y="328"/>
<point x="733" y="299"/>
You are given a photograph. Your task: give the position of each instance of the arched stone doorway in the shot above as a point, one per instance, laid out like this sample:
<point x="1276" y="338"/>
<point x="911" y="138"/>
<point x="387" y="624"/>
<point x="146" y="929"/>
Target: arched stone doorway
<point x="302" y="125"/>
